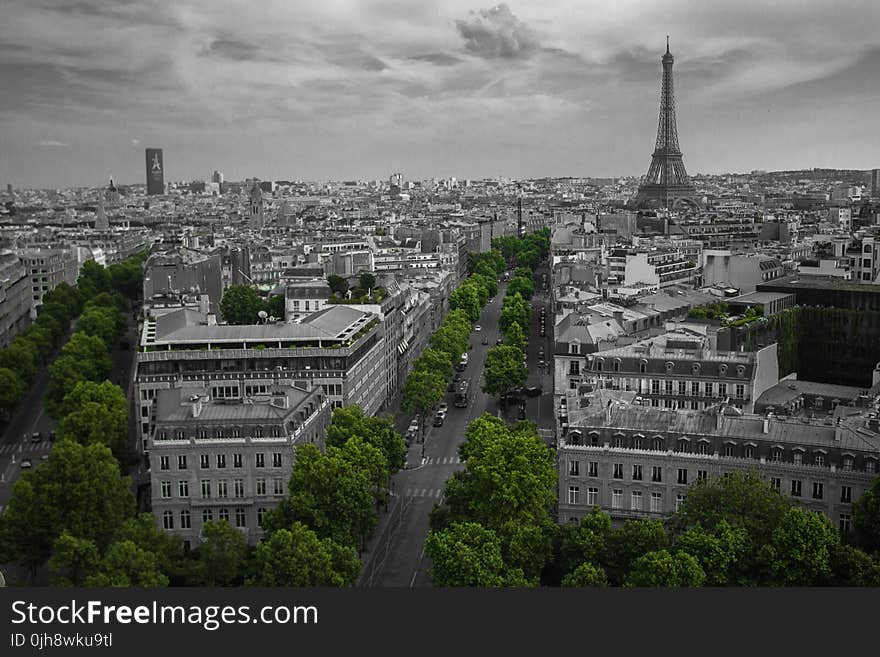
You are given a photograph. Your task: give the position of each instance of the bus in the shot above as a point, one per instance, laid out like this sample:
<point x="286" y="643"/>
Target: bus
<point x="461" y="395"/>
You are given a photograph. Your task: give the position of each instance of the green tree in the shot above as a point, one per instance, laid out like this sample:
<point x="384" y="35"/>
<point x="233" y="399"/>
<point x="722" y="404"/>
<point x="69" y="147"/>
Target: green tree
<point x="866" y="518"/>
<point x="852" y="567"/>
<point x="21" y="357"/>
<point x="661" y="568"/>
<point x="799" y="551"/>
<point x="240" y="305"/>
<point x="350" y="422"/>
<point x="466" y="298"/>
<point x="73" y="560"/>
<point x="78" y="490"/>
<point x="514" y="337"/>
<point x="367" y="281"/>
<point x="504" y="370"/>
<point x="95" y="423"/>
<point x="223" y="555"/>
<point x="12" y="390"/>
<point x="586" y="576"/>
<point x="168" y="550"/>
<point x="631" y="541"/>
<point x="92" y="280"/>
<point x="338" y="285"/>
<point x="585" y="541"/>
<point x="465" y="554"/>
<point x="434" y="360"/>
<point x="717" y="551"/>
<point x="522" y="286"/>
<point x="127" y="278"/>
<point x="422" y="390"/>
<point x="487" y="281"/>
<point x="83" y="358"/>
<point x="128" y="565"/>
<point x="514" y="309"/>
<point x="275" y="306"/>
<point x="297" y="557"/>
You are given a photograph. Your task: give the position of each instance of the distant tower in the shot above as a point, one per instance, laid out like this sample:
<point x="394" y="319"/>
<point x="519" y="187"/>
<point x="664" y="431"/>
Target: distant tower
<point x="666" y="181"/>
<point x="217" y="177"/>
<point x="395" y="183"/>
<point x="875" y="183"/>
<point x="256" y="219"/>
<point x="155" y="172"/>
<point x="111" y="194"/>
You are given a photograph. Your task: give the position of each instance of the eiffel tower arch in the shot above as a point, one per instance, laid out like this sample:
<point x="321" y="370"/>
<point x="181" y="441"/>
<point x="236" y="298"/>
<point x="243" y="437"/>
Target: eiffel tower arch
<point x="666" y="184"/>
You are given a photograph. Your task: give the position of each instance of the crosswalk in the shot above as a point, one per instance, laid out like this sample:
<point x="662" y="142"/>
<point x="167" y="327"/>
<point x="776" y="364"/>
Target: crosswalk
<point x="13" y="448"/>
<point x="442" y="460"/>
<point x="424" y="492"/>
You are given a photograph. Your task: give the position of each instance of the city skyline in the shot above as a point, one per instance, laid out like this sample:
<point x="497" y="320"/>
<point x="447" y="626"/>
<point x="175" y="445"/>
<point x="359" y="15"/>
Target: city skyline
<point x="358" y="90"/>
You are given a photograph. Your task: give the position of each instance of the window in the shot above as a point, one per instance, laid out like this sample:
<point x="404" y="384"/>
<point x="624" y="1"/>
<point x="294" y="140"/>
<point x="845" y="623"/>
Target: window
<point x="236" y="460"/>
<point x="729" y="450"/>
<point x="702" y="474"/>
<point x="777" y="455"/>
<point x="599" y="364"/>
<point x="574" y="348"/>
<point x="658" y="444"/>
<point x="636" y="500"/>
<point x="656" y="473"/>
<point x="846" y="494"/>
<point x="239" y="518"/>
<point x="223" y="514"/>
<point x="260" y="460"/>
<point x="574" y="468"/>
<point x="165" y="465"/>
<point x="207" y="515"/>
<point x="679" y="500"/>
<point x="847" y="464"/>
<point x="750" y="451"/>
<point x="181" y="462"/>
<point x="637" y="442"/>
<point x="616" y="498"/>
<point x="222" y="488"/>
<point x="797" y="458"/>
<point x="682" y="475"/>
<point x="870" y="466"/>
<point x="820" y="460"/>
<point x="643" y="367"/>
<point x="618" y="440"/>
<point x="592" y="496"/>
<point x="695" y="388"/>
<point x="168" y="519"/>
<point x="655" y="387"/>
<point x="740" y="391"/>
<point x="221" y="460"/>
<point x="818" y="490"/>
<point x="166" y="489"/>
<point x="618" y="470"/>
<point x="708" y="389"/>
<point x="260" y="486"/>
<point x="179" y="434"/>
<point x="656" y="502"/>
<point x="702" y="447"/>
<point x="616" y="365"/>
<point x="278" y="486"/>
<point x="637" y="473"/>
<point x="682" y="388"/>
<point x="206" y="488"/>
<point x="261" y="512"/>
<point x="818" y="402"/>
<point x="667" y="388"/>
<point x="276" y="459"/>
<point x="204" y="461"/>
<point x="183" y="488"/>
<point x="573" y="494"/>
<point x="594" y="469"/>
<point x="574" y="368"/>
<point x="684" y="446"/>
<point x="238" y="487"/>
<point x="776" y="484"/>
<point x="573" y="384"/>
<point x="845" y="523"/>
<point x="795" y="488"/>
<point x="185" y="519"/>
<point x="722" y="390"/>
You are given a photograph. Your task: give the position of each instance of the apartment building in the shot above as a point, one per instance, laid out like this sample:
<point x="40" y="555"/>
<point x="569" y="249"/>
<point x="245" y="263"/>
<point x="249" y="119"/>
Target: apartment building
<point x="663" y="267"/>
<point x="340" y="350"/>
<point x="47" y="268"/>
<point x="16" y="297"/>
<point x="637" y="462"/>
<point x="218" y="457"/>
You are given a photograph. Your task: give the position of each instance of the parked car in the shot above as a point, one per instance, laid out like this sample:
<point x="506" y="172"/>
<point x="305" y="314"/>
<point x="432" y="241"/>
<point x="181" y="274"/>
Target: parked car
<point x="52" y="435"/>
<point x="438" y="419"/>
<point x="36" y="437"/>
<point x="485" y="340"/>
<point x="443" y="407"/>
<point x="26" y="464"/>
<point x="414" y="426"/>
<point x="498" y="342"/>
<point x="533" y="391"/>
<point x="451" y="387"/>
<point x="478" y="328"/>
<point x="44" y="457"/>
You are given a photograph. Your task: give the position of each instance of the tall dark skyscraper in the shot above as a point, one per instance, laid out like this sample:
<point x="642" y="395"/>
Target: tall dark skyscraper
<point x="666" y="182"/>
<point x="875" y="183"/>
<point x="155" y="171"/>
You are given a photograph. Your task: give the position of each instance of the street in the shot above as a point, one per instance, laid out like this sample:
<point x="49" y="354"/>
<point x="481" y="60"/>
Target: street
<point x="395" y="555"/>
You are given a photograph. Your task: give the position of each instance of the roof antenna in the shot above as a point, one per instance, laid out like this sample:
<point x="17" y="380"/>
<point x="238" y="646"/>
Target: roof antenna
<point x="667" y="44"/>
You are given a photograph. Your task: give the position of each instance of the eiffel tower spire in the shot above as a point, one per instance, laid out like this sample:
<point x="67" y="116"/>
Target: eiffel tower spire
<point x="667" y="181"/>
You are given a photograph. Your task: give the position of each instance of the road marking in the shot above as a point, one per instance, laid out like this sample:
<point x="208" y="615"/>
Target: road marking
<point x="439" y="490"/>
<point x="408" y="492"/>
<point x="422" y="493"/>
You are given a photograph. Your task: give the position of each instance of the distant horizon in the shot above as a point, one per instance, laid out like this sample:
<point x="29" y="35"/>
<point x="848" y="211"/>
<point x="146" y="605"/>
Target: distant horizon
<point x="344" y="90"/>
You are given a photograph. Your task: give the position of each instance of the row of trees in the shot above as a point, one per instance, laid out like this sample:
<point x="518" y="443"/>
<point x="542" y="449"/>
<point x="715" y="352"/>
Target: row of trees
<point x="496" y="525"/>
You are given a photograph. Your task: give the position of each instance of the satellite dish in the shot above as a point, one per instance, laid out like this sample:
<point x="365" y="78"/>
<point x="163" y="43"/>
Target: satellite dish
<point x="262" y="315"/>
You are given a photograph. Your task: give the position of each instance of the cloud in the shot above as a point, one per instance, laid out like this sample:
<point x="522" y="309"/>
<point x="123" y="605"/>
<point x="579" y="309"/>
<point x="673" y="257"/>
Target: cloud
<point x="52" y="142"/>
<point x="497" y="34"/>
<point x="436" y="58"/>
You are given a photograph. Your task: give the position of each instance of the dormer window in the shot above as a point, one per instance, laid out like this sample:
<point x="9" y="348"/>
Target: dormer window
<point x="740" y="370"/>
<point x="695" y="368"/>
<point x="643" y="366"/>
<point x="722" y="369"/>
<point x="670" y="366"/>
<point x="574" y="348"/>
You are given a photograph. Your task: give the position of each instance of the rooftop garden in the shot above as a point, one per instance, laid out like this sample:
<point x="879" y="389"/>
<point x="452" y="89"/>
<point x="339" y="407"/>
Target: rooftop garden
<point x="720" y="311"/>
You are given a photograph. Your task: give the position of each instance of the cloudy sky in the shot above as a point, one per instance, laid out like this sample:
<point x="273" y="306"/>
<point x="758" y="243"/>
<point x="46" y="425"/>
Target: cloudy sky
<point x="339" y="89"/>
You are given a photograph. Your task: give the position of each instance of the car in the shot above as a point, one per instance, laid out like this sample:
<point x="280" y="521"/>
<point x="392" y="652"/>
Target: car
<point x="478" y="328"/>
<point x="36" y="437"/>
<point x="533" y="391"/>
<point x="543" y="333"/>
<point x="414" y="426"/>
<point x="498" y="342"/>
<point x="485" y="340"/>
<point x="438" y="419"/>
<point x="26" y="464"/>
<point x="44" y="457"/>
<point x="491" y="299"/>
<point x="451" y="387"/>
<point x="456" y="377"/>
<point x="443" y="407"/>
<point x="540" y="362"/>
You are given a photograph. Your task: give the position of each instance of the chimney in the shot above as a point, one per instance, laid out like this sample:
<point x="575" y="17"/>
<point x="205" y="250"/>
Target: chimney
<point x="608" y="413"/>
<point x="618" y="316"/>
<point x="766" y="427"/>
<point x="196" y="403"/>
<point x="719" y="415"/>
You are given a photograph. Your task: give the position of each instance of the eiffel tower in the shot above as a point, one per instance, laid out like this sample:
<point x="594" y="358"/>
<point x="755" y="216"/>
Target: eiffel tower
<point x="666" y="182"/>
